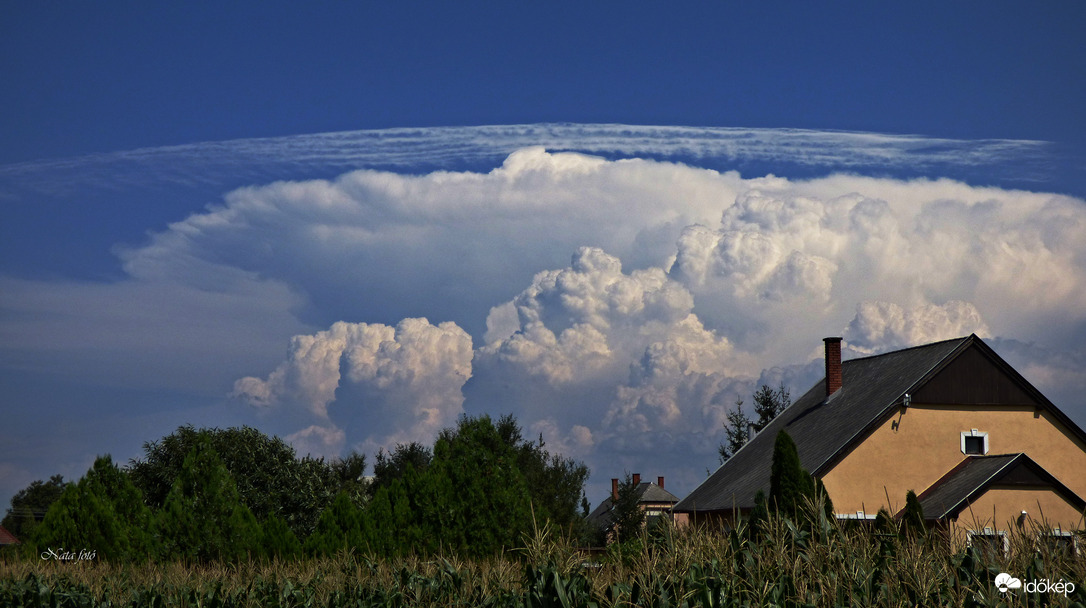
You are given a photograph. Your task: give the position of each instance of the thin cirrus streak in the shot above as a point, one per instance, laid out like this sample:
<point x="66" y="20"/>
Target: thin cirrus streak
<point x="232" y="163"/>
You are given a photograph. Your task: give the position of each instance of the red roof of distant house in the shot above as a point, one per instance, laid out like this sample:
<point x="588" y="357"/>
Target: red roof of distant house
<point x="7" y="538"/>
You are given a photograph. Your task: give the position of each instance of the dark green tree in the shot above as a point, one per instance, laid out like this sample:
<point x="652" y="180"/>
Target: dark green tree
<point x="269" y="477"/>
<point x="627" y="517"/>
<point x="392" y="466"/>
<point x="769" y="403"/>
<point x="555" y="483"/>
<point x="791" y="487"/>
<point x="824" y="496"/>
<point x="29" y="506"/>
<point x="736" y="431"/>
<point x="103" y="513"/>
<point x="912" y="520"/>
<point x="479" y="494"/>
<point x="886" y="532"/>
<point x="203" y="518"/>
<point x="759" y="516"/>
<point x="393" y="529"/>
<point x="279" y="541"/>
<point x="340" y="528"/>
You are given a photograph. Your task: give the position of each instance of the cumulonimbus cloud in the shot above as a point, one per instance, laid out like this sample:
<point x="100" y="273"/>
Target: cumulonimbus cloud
<point x="606" y="354"/>
<point x="405" y="380"/>
<point x="686" y="287"/>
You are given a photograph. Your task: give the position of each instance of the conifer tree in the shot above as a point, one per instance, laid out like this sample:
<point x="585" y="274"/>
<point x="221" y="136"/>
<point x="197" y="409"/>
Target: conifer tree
<point x="736" y="431"/>
<point x="103" y="513"/>
<point x="340" y="527"/>
<point x="912" y="520"/>
<point x="790" y="486"/>
<point x="477" y="490"/>
<point x="821" y="493"/>
<point x="768" y="403"/>
<point x="758" y="516"/>
<point x="392" y="526"/>
<point x="627" y="517"/>
<point x="279" y="541"/>
<point x="203" y="518"/>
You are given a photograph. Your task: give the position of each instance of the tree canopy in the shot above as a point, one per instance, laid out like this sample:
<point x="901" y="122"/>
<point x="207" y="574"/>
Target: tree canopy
<point x="270" y="479"/>
<point x="29" y="506"/>
<point x="213" y="494"/>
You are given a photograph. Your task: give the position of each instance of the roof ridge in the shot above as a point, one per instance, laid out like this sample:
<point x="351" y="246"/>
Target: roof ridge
<point x="908" y="348"/>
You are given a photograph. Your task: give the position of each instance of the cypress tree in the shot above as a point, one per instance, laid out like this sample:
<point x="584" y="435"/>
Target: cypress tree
<point x="912" y="521"/>
<point x="103" y="513"/>
<point x="203" y="518"/>
<point x="790" y="486"/>
<point x="821" y="493"/>
<point x="886" y="532"/>
<point x="339" y="528"/>
<point x="279" y="541"/>
<point x="759" y="516"/>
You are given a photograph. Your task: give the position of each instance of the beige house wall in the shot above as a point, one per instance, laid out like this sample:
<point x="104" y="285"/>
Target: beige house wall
<point x="1000" y="508"/>
<point x="921" y="443"/>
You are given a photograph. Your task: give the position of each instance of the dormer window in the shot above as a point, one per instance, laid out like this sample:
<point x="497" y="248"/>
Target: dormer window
<point x="974" y="443"/>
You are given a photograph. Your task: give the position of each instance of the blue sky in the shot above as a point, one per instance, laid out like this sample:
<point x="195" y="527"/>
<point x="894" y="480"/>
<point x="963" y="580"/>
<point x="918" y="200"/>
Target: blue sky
<point x="170" y="254"/>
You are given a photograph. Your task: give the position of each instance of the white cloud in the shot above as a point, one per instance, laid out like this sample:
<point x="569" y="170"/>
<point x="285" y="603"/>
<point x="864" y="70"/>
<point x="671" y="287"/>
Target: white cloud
<point x="585" y="320"/>
<point x="389" y="384"/>
<point x="318" y="441"/>
<point x="254" y="160"/>
<point x="687" y="286"/>
<point x="883" y="326"/>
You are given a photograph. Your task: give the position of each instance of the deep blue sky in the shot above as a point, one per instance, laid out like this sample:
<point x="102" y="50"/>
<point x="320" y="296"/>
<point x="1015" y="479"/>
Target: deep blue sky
<point x="88" y="77"/>
<point x="133" y="295"/>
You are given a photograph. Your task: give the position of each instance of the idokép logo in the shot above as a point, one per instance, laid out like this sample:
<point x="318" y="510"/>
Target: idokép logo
<point x="1005" y="582"/>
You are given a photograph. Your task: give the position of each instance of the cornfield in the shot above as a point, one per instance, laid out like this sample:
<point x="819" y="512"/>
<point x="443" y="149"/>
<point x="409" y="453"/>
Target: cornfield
<point x="823" y="564"/>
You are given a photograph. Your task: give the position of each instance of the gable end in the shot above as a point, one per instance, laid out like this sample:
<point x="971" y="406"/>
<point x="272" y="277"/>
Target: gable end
<point x="974" y="378"/>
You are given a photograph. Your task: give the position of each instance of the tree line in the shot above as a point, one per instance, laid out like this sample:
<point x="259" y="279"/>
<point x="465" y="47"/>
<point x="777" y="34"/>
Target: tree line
<point x="223" y="494"/>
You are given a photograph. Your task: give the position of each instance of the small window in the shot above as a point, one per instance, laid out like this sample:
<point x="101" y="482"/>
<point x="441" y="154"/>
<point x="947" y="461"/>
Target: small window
<point x="974" y="443"/>
<point x="988" y="541"/>
<point x="1059" y="542"/>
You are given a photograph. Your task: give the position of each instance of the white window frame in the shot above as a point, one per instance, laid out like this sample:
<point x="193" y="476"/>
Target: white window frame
<point x="1041" y="537"/>
<point x="989" y="532"/>
<point x="975" y="433"/>
<point x="858" y="515"/>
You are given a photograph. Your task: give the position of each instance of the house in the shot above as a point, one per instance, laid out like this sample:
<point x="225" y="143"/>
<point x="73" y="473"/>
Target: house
<point x="653" y="499"/>
<point x="983" y="449"/>
<point x="7" y="538"/>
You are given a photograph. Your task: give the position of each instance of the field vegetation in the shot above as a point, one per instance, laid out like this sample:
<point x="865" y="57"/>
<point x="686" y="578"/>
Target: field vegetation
<point x="816" y="563"/>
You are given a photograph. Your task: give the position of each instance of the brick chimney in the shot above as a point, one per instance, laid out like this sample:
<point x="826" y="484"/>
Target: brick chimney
<point x="637" y="479"/>
<point x="660" y="482"/>
<point x="614" y="488"/>
<point x="833" y="365"/>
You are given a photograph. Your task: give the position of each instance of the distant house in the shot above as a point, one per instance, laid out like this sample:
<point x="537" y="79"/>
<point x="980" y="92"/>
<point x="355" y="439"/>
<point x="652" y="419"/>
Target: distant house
<point x="7" y="538"/>
<point x="984" y="450"/>
<point x="653" y="499"/>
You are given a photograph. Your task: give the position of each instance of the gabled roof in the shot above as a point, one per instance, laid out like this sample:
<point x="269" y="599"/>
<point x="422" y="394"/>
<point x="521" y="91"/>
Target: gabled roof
<point x="971" y="478"/>
<point x="7" y="538"/>
<point x="825" y="429"/>
<point x="650" y="493"/>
